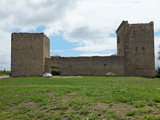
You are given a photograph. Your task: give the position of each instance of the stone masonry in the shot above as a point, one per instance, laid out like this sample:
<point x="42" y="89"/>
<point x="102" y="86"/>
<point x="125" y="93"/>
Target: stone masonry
<point x="30" y="55"/>
<point x="136" y="43"/>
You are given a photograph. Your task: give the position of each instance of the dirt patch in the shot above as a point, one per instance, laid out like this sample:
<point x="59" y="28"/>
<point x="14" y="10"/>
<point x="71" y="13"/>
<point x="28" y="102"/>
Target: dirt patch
<point x="28" y="104"/>
<point x="122" y="108"/>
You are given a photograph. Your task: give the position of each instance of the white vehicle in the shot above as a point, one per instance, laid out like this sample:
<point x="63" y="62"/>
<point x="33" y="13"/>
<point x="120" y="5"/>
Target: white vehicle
<point x="111" y="74"/>
<point x="47" y="75"/>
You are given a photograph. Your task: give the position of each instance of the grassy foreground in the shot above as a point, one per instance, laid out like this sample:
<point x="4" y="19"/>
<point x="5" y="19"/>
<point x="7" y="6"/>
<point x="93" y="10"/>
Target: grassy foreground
<point x="80" y="98"/>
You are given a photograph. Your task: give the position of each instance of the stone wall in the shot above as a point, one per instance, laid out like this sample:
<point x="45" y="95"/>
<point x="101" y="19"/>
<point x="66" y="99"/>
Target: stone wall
<point x="28" y="53"/>
<point x="96" y="66"/>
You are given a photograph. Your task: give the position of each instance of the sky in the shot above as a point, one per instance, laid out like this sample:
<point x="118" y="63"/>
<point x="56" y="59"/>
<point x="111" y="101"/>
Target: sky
<point x="75" y="27"/>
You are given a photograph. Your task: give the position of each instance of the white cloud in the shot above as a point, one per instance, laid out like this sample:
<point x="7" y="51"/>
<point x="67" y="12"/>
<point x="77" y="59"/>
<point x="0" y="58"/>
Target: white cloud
<point x="59" y="50"/>
<point x="27" y="15"/>
<point x="95" y="54"/>
<point x="5" y="50"/>
<point x="92" y="21"/>
<point x="106" y="44"/>
<point x="157" y="49"/>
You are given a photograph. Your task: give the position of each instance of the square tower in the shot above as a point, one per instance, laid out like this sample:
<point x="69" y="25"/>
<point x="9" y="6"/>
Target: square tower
<point x="28" y="53"/>
<point x="136" y="43"/>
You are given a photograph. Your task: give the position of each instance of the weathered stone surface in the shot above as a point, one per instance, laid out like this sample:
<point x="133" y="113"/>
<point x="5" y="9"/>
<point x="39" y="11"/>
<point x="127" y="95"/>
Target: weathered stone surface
<point x="136" y="43"/>
<point x="30" y="55"/>
<point x="99" y="66"/>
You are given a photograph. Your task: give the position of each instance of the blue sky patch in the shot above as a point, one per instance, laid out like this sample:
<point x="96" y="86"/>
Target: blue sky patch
<point x="157" y="33"/>
<point x="58" y="45"/>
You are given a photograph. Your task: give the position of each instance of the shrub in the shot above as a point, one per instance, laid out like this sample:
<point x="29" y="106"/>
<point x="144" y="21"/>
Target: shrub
<point x="55" y="71"/>
<point x="158" y="74"/>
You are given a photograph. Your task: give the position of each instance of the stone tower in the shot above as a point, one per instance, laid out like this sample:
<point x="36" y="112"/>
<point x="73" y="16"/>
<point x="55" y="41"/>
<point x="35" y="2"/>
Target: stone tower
<point x="136" y="43"/>
<point x="28" y="53"/>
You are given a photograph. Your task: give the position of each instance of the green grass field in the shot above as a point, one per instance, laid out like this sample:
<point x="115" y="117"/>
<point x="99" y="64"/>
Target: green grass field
<point x="80" y="98"/>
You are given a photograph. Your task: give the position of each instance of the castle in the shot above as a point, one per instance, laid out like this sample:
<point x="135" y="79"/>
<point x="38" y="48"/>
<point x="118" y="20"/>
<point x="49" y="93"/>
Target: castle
<point x="30" y="55"/>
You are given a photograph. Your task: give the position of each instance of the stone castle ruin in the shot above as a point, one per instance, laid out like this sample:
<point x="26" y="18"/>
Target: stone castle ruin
<point x="30" y="55"/>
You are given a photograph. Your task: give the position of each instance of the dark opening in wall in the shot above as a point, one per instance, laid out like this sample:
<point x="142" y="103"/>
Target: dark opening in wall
<point x="136" y="48"/>
<point x="143" y="48"/>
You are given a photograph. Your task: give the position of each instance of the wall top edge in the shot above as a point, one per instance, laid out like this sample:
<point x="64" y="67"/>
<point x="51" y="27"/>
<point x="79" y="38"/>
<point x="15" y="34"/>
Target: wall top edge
<point x="126" y="22"/>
